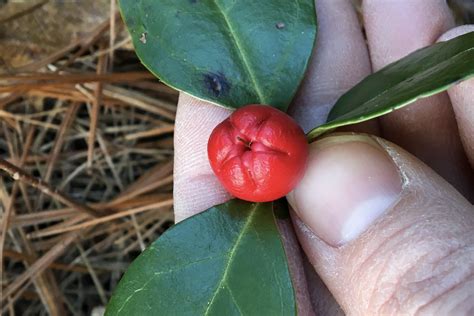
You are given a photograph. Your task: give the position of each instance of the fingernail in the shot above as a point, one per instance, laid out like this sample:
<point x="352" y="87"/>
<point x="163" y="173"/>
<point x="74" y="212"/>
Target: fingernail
<point x="350" y="182"/>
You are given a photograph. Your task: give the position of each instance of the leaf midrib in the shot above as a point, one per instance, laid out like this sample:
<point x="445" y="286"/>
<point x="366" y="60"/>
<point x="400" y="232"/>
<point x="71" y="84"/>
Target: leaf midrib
<point x="241" y="53"/>
<point x="231" y="257"/>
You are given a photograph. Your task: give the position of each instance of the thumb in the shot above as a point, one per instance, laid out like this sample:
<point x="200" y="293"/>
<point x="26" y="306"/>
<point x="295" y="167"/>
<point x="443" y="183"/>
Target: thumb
<point x="385" y="233"/>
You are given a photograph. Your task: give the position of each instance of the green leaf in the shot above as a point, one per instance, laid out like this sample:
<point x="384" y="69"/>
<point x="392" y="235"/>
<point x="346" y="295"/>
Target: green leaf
<point x="229" y="52"/>
<point x="228" y="260"/>
<point x="419" y="75"/>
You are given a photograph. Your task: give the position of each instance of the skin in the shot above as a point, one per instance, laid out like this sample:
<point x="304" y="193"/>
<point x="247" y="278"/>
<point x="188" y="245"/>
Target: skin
<point x="258" y="154"/>
<point x="401" y="263"/>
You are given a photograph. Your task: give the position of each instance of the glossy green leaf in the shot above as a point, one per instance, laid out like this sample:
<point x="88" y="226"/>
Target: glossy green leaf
<point x="228" y="260"/>
<point x="421" y="74"/>
<point x="229" y="52"/>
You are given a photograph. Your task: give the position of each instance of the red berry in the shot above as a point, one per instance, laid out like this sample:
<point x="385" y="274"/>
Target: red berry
<point x="258" y="154"/>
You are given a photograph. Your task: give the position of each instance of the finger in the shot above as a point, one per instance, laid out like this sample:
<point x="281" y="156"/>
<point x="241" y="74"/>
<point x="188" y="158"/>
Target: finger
<point x="340" y="60"/>
<point x="462" y="96"/>
<point x="195" y="186"/>
<point x="386" y="234"/>
<point x="428" y="128"/>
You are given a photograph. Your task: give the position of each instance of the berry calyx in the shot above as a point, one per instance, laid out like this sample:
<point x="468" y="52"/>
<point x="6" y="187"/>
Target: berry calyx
<point x="258" y="153"/>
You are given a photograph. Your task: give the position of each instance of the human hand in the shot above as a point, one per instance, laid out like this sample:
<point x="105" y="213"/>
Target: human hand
<point x="384" y="232"/>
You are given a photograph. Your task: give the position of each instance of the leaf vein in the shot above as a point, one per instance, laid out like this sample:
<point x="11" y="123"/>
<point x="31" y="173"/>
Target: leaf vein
<point x="231" y="257"/>
<point x="158" y="273"/>
<point x="241" y="52"/>
<point x="234" y="300"/>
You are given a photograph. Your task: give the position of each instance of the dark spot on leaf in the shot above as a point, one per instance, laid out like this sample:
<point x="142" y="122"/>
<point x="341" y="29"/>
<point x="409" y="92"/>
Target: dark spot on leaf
<point x="193" y="1"/>
<point x="178" y="13"/>
<point x="280" y="25"/>
<point x="216" y="83"/>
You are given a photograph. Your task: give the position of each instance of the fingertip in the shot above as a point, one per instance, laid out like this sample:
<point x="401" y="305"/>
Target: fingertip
<point x="195" y="186"/>
<point x="350" y="181"/>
